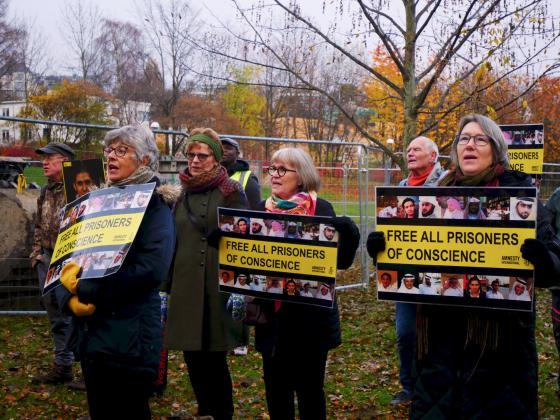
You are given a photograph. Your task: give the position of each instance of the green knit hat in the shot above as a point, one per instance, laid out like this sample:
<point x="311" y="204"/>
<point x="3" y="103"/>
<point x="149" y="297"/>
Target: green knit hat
<point x="214" y="145"/>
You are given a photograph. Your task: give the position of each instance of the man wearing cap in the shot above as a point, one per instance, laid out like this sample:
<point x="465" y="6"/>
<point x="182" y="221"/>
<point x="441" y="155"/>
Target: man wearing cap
<point x="424" y="170"/>
<point x="474" y="210"/>
<point x="407" y="285"/>
<point x="239" y="171"/>
<point x="428" y="206"/>
<point x="328" y="233"/>
<point x="452" y="288"/>
<point x="47" y="221"/>
<point x="523" y="209"/>
<point x="427" y="288"/>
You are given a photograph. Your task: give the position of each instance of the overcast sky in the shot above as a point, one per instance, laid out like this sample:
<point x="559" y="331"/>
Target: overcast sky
<point x="46" y="15"/>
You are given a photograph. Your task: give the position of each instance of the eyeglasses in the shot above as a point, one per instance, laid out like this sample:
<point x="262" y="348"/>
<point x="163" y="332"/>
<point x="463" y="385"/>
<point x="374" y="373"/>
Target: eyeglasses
<point x="201" y="156"/>
<point x="51" y="158"/>
<point x="120" y="151"/>
<point x="479" y="140"/>
<point x="280" y="170"/>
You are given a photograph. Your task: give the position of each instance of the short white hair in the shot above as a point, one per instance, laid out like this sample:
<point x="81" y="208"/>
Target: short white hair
<point x="430" y="145"/>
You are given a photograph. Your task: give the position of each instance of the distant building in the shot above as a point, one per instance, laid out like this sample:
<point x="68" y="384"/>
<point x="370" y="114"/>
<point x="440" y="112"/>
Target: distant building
<point x="118" y="112"/>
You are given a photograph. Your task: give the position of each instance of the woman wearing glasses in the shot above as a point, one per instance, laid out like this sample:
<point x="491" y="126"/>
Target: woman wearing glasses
<point x="297" y="331"/>
<point x="117" y="318"/>
<point x="479" y="363"/>
<point x="198" y="322"/>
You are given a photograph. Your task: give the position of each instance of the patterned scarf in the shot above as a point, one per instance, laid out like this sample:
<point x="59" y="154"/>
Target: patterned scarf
<point x="141" y="175"/>
<point x="300" y="203"/>
<point x="216" y="177"/>
<point x="487" y="178"/>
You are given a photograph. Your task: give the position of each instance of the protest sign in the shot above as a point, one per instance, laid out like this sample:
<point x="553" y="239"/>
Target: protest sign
<point x="96" y="231"/>
<point x="456" y="246"/>
<point x="278" y="256"/>
<point x="80" y="175"/>
<point x="525" y="147"/>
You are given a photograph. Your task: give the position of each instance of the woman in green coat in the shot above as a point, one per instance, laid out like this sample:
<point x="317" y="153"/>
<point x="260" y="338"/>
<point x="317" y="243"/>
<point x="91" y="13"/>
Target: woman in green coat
<point x="198" y="322"/>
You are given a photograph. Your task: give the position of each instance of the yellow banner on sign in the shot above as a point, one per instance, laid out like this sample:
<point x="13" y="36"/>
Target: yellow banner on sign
<point x="295" y="259"/>
<point x="459" y="246"/>
<point x="115" y="229"/>
<point x="529" y="161"/>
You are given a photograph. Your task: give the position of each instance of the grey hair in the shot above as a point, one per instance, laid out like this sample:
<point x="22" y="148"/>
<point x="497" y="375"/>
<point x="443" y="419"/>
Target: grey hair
<point x="310" y="180"/>
<point x="430" y="145"/>
<point x="493" y="131"/>
<point x="140" y="138"/>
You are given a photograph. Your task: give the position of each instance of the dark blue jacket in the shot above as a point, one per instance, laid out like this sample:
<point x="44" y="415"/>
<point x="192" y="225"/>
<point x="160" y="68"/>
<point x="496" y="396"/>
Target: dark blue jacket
<point x="125" y="330"/>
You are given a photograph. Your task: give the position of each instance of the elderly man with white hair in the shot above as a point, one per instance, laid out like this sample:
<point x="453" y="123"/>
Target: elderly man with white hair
<point x="424" y="170"/>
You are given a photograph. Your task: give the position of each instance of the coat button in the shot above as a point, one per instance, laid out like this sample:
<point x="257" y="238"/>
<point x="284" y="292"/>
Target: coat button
<point x="202" y="251"/>
<point x="203" y="204"/>
<point x="203" y="239"/>
<point x="202" y="216"/>
<point x="202" y="264"/>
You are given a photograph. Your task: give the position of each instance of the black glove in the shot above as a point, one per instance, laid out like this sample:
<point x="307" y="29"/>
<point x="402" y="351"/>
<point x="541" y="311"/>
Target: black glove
<point x="537" y="253"/>
<point x="375" y="244"/>
<point x="213" y="238"/>
<point x="348" y="241"/>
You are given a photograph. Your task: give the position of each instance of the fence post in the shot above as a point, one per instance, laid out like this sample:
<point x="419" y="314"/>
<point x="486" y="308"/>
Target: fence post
<point x="345" y="188"/>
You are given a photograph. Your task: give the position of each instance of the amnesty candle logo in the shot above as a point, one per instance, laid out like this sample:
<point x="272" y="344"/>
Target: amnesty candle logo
<point x="96" y="231"/>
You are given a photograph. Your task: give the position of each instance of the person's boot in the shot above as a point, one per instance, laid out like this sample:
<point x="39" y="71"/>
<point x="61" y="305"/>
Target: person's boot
<point x="59" y="374"/>
<point x="78" y="383"/>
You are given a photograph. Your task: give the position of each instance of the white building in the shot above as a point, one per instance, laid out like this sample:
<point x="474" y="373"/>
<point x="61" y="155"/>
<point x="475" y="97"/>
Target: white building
<point x="118" y="112"/>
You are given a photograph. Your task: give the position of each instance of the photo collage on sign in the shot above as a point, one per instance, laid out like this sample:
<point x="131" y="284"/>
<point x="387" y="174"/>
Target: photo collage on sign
<point x="474" y="286"/>
<point x="457" y="207"/>
<point x="278" y="228"/>
<point x="278" y="285"/>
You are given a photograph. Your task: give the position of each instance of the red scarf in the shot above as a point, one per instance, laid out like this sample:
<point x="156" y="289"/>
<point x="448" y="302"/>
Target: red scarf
<point x="419" y="180"/>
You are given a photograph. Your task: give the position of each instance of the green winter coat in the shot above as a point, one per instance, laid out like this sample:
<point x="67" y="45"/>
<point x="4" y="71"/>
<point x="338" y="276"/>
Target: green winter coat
<point x="197" y="315"/>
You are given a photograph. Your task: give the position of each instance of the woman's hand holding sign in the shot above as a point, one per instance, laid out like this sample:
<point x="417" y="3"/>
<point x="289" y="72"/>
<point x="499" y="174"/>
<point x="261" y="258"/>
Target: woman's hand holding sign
<point x="69" y="279"/>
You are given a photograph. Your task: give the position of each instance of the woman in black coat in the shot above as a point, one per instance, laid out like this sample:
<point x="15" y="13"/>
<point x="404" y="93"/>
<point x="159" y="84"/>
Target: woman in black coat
<point x="295" y="342"/>
<point x="117" y="318"/>
<point x="481" y="363"/>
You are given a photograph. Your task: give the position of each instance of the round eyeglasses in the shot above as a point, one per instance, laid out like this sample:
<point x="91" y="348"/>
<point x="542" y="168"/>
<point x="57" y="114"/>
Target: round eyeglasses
<point x="120" y="151"/>
<point x="280" y="170"/>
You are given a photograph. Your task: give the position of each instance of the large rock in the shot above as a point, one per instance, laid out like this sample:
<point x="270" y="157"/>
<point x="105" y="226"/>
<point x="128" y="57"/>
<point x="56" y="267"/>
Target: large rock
<point x="18" y="283"/>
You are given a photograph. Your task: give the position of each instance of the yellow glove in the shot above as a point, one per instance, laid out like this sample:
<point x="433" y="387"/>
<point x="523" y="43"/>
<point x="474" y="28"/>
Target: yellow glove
<point x="68" y="276"/>
<point x="79" y="308"/>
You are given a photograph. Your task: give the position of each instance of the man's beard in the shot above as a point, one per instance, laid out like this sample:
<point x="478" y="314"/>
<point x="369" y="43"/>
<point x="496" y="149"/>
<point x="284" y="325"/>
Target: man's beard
<point x="428" y="212"/>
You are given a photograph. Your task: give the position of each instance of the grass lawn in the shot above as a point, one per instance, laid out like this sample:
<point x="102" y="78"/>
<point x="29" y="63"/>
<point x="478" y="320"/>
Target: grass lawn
<point x="362" y="374"/>
<point x="35" y="174"/>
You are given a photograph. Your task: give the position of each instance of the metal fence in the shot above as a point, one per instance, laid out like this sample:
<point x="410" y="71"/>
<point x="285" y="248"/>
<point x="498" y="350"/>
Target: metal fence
<point x="344" y="169"/>
<point x="349" y="173"/>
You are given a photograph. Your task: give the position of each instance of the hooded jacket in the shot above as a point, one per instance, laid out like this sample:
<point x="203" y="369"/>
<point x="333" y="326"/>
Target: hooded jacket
<point x="125" y="330"/>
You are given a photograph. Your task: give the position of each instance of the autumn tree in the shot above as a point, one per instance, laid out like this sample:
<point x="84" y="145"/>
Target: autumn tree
<point x="427" y="40"/>
<point x="80" y="101"/>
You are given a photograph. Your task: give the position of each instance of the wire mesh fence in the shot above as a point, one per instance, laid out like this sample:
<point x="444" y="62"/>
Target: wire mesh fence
<point x="349" y="173"/>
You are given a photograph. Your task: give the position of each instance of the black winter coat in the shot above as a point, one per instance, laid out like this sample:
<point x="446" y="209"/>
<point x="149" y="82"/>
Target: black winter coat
<point x="298" y="328"/>
<point x="458" y="378"/>
<point x="125" y="330"/>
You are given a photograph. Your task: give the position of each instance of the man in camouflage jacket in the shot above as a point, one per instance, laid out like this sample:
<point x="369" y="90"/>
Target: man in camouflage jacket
<point x="47" y="221"/>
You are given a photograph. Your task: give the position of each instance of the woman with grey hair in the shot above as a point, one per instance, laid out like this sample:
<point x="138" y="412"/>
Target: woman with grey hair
<point x="294" y="185"/>
<point x="117" y="319"/>
<point x="480" y="363"/>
